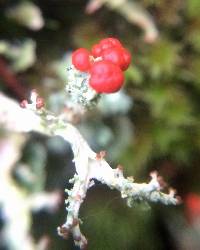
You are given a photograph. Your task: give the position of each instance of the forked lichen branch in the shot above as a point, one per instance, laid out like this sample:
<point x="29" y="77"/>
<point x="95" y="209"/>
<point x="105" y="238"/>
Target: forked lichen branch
<point x="92" y="166"/>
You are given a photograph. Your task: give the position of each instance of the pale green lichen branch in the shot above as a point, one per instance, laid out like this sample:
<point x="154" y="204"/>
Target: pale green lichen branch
<point x="92" y="166"/>
<point x="89" y="166"/>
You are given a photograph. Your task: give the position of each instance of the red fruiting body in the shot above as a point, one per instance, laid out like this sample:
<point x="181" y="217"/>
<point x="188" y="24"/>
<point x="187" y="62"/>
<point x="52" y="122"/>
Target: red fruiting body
<point x="106" y="74"/>
<point x="118" y="56"/>
<point x="106" y="43"/>
<point x="81" y="59"/>
<point x="114" y="55"/>
<point x="110" y="43"/>
<point x="106" y="77"/>
<point x="24" y="104"/>
<point x="110" y="49"/>
<point x="127" y="59"/>
<point x="39" y="102"/>
<point x="192" y="203"/>
<point x="96" y="50"/>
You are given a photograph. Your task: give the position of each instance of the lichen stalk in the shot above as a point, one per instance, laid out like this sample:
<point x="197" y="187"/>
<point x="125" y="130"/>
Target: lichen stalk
<point x="91" y="166"/>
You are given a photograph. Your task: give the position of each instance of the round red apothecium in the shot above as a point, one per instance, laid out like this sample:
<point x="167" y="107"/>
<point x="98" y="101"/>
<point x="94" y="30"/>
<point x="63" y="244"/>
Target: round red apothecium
<point x="81" y="59"/>
<point x="127" y="59"/>
<point x="106" y="43"/>
<point x="106" y="77"/>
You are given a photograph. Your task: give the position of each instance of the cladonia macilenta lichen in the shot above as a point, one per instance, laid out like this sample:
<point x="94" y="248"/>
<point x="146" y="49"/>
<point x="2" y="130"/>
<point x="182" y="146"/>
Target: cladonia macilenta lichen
<point x="92" y="166"/>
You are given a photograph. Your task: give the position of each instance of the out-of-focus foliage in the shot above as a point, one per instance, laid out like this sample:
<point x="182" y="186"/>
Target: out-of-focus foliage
<point x="153" y="124"/>
<point x="22" y="56"/>
<point x="27" y="14"/>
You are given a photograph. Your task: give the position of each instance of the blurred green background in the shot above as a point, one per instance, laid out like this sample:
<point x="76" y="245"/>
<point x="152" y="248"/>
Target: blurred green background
<point x="152" y="124"/>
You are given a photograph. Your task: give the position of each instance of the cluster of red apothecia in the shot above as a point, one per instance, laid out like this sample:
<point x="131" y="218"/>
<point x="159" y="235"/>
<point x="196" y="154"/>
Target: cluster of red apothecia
<point x="38" y="101"/>
<point x="105" y="64"/>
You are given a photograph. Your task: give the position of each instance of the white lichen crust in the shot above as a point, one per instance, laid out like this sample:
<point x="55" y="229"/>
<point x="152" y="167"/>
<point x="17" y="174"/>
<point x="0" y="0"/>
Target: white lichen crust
<point x="92" y="166"/>
<point x="78" y="88"/>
